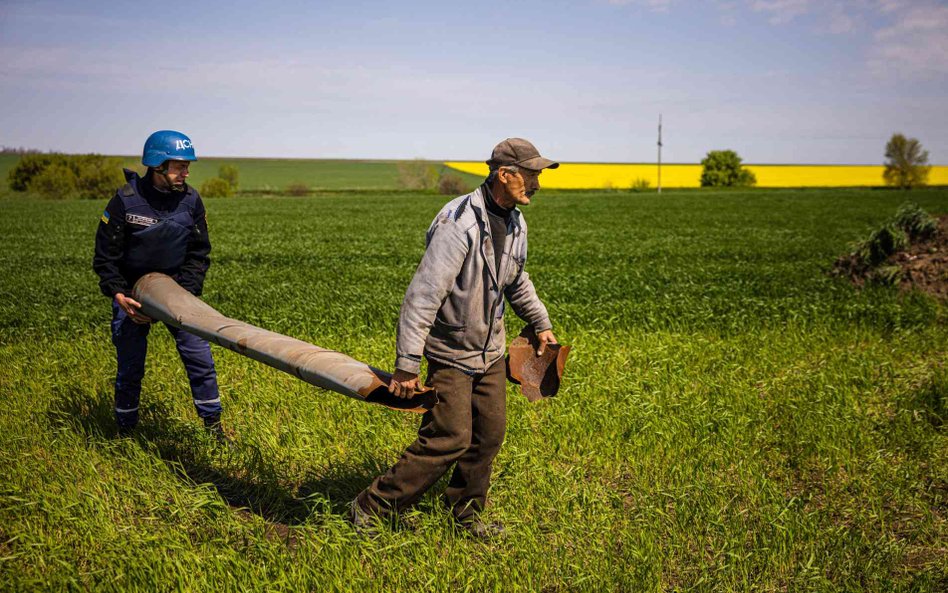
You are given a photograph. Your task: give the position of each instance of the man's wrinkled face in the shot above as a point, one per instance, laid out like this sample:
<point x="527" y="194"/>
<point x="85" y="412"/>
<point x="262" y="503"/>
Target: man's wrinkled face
<point x="522" y="184"/>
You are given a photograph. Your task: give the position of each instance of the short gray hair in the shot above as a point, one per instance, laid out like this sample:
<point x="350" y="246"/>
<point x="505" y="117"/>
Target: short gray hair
<point x="493" y="173"/>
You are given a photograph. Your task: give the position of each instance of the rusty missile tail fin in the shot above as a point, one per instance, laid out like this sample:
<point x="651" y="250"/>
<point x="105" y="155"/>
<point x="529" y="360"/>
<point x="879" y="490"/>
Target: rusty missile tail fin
<point x="164" y="300"/>
<point x="538" y="376"/>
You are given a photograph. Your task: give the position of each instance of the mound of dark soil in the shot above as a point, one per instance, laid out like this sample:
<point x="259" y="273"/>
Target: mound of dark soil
<point x="922" y="265"/>
<point x="925" y="265"/>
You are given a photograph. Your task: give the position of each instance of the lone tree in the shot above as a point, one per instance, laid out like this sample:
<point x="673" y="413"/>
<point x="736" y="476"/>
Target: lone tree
<point x="906" y="163"/>
<point x="722" y="168"/>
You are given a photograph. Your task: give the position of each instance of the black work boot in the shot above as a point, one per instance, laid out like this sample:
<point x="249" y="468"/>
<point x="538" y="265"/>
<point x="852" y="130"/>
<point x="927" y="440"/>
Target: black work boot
<point x="365" y="523"/>
<point x="126" y="431"/>
<point x="212" y="424"/>
<point x="478" y="529"/>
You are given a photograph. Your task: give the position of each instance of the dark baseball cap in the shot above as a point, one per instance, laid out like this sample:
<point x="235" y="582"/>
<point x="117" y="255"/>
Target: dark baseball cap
<point x="520" y="152"/>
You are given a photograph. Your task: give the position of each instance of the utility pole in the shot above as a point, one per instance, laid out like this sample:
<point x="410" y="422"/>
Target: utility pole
<point x="659" y="153"/>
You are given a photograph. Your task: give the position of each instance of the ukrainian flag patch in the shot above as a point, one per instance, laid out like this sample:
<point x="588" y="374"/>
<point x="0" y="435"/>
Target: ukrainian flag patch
<point x="105" y="217"/>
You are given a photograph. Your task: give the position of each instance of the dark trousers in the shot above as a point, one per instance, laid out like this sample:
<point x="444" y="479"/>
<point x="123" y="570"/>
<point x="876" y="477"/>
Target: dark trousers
<point x="465" y="427"/>
<point x="131" y="346"/>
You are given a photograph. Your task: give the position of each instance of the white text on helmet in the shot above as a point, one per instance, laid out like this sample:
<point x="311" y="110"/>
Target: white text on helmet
<point x="182" y="144"/>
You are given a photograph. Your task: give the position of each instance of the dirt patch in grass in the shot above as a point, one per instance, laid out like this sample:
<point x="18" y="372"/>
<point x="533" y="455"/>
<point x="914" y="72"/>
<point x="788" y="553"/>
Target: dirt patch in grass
<point x="925" y="265"/>
<point x="922" y="265"/>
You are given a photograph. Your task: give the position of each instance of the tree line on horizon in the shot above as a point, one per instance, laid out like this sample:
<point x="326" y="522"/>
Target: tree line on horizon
<point x="92" y="176"/>
<point x="906" y="166"/>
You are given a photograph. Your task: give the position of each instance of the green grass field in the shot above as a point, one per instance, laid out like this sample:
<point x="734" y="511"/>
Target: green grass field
<point x="273" y="175"/>
<point x="732" y="417"/>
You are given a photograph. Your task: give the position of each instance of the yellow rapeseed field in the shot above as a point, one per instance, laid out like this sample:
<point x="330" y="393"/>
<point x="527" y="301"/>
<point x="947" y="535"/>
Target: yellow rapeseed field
<point x="623" y="176"/>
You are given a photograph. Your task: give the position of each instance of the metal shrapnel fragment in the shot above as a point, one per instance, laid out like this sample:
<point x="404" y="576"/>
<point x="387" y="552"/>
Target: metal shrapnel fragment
<point x="538" y="376"/>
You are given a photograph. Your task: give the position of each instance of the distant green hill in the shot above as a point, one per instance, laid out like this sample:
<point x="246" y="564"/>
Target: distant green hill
<point x="262" y="175"/>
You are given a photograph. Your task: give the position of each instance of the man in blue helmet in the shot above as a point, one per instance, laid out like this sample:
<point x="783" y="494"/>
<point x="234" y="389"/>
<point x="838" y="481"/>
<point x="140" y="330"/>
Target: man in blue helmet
<point x="156" y="223"/>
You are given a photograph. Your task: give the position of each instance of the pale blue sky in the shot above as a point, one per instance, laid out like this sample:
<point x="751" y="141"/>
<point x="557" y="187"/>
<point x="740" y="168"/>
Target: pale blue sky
<point x="780" y="81"/>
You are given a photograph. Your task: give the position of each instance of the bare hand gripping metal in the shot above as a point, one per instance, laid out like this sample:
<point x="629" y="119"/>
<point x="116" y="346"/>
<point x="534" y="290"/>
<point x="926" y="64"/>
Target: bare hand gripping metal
<point x="164" y="300"/>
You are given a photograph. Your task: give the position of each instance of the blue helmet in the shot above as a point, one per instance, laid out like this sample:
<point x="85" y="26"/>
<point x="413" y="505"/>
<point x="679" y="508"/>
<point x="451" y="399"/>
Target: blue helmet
<point x="167" y="145"/>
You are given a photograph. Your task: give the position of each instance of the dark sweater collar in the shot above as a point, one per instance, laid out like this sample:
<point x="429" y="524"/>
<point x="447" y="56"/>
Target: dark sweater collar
<point x="493" y="207"/>
<point x="158" y="197"/>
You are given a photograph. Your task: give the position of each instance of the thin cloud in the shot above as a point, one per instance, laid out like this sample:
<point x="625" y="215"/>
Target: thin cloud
<point x="781" y="11"/>
<point x="908" y="36"/>
<point x="840" y="21"/>
<point x="654" y="5"/>
<point x="836" y="17"/>
<point x="915" y="44"/>
<point x="892" y="5"/>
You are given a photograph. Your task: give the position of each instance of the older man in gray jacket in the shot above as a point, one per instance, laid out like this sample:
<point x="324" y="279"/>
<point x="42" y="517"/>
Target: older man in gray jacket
<point x="453" y="313"/>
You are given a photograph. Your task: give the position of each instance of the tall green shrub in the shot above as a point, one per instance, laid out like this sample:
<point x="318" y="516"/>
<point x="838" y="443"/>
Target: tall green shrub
<point x="452" y="185"/>
<point x="28" y="167"/>
<point x="722" y="168"/>
<point x="215" y="187"/>
<point x="640" y="184"/>
<point x="56" y="182"/>
<point x="230" y="174"/>
<point x="417" y="174"/>
<point x="297" y="188"/>
<point x="97" y="177"/>
<point x="87" y="176"/>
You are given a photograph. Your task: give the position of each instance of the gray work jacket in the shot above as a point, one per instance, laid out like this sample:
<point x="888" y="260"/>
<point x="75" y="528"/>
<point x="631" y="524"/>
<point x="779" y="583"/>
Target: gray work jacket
<point x="454" y="307"/>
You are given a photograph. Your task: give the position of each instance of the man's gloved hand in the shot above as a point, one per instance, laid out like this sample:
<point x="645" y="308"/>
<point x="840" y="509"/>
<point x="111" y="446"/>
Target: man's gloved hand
<point x="131" y="308"/>
<point x="403" y="384"/>
<point x="545" y="337"/>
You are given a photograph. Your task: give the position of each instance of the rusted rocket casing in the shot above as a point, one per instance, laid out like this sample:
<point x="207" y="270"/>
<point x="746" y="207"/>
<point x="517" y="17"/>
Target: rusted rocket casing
<point x="539" y="376"/>
<point x="164" y="300"/>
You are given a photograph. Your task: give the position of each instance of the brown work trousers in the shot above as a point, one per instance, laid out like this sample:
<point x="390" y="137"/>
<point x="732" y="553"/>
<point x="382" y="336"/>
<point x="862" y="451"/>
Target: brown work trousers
<point x="466" y="427"/>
